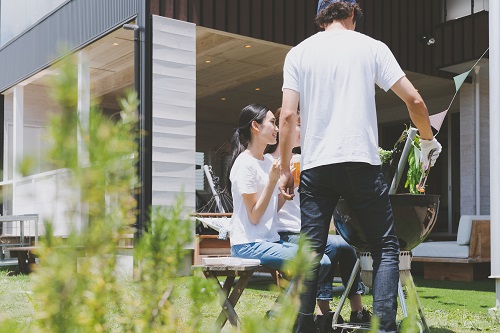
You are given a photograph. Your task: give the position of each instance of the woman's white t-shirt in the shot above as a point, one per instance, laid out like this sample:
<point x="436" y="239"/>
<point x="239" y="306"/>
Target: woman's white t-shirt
<point x="250" y="175"/>
<point x="289" y="215"/>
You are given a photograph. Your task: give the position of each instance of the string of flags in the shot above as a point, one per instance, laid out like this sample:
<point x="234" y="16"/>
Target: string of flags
<point x="438" y="118"/>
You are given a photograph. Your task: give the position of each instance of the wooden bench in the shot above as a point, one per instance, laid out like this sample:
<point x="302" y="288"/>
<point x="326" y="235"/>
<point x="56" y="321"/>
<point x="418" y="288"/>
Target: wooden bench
<point x="26" y="255"/>
<point x="25" y="258"/>
<point x="230" y="293"/>
<point x="475" y="266"/>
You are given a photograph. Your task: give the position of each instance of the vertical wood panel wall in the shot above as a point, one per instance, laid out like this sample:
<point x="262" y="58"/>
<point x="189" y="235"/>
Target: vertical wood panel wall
<point x="174" y="112"/>
<point x="398" y="23"/>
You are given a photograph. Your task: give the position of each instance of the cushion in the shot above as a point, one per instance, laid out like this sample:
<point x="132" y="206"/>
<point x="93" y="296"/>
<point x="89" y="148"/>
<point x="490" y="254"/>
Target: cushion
<point x="465" y="227"/>
<point x="441" y="249"/>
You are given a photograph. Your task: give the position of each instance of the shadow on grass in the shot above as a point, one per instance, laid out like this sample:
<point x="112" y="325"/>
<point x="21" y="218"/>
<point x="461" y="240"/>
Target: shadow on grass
<point x="440" y="330"/>
<point x="8" y="268"/>
<point x="479" y="285"/>
<point x="262" y="284"/>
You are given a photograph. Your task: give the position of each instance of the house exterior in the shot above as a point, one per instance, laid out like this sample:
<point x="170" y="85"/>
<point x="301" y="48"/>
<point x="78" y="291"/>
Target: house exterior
<point x="196" y="63"/>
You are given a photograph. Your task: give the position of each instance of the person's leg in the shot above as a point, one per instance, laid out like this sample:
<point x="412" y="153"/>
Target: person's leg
<point x="317" y="201"/>
<point x="324" y="263"/>
<point x="272" y="255"/>
<point x="325" y="285"/>
<point x="367" y="194"/>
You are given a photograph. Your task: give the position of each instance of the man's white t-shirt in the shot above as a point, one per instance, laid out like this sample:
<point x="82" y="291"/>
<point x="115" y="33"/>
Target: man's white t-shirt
<point x="335" y="73"/>
<point x="250" y="175"/>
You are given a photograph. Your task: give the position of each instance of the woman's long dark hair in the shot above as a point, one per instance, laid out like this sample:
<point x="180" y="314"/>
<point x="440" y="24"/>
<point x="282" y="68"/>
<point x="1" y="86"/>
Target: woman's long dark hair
<point x="242" y="135"/>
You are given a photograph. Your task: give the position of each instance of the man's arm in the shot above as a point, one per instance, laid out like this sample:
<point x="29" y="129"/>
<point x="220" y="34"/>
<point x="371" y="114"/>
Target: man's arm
<point x="430" y="147"/>
<point x="416" y="107"/>
<point x="288" y="121"/>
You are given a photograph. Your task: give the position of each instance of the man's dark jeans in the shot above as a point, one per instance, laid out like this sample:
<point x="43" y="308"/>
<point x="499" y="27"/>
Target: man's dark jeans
<point x="365" y="190"/>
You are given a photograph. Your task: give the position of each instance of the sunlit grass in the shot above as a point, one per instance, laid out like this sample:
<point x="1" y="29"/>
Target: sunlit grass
<point x="449" y="307"/>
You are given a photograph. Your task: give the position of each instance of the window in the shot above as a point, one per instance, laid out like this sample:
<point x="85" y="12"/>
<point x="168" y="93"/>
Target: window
<point x="460" y="8"/>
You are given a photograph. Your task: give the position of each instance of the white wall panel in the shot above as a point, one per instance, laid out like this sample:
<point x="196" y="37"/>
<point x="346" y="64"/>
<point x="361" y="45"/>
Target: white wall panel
<point x="174" y="112"/>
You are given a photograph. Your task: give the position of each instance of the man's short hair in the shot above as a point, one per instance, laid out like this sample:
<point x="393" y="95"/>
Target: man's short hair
<point x="329" y="11"/>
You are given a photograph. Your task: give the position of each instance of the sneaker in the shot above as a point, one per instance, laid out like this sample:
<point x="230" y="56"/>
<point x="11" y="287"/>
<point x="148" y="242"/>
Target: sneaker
<point x="324" y="323"/>
<point x="361" y="316"/>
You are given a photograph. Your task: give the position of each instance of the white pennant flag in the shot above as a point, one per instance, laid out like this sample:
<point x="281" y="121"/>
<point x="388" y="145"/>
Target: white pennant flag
<point x="437" y="119"/>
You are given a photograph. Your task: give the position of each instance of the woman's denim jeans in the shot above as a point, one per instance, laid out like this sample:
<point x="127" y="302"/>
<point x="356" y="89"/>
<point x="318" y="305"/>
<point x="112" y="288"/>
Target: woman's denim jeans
<point x="325" y="266"/>
<point x="337" y="251"/>
<point x="365" y="190"/>
<point x="344" y="254"/>
<point x="272" y="255"/>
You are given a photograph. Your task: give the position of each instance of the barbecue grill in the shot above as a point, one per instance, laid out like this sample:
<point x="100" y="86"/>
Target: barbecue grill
<point x="414" y="218"/>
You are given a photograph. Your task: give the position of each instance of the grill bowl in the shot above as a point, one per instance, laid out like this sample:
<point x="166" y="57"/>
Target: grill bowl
<point x="414" y="218"/>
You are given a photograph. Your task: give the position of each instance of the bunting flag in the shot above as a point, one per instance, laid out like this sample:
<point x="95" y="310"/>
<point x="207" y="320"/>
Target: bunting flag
<point x="438" y="118"/>
<point x="460" y="79"/>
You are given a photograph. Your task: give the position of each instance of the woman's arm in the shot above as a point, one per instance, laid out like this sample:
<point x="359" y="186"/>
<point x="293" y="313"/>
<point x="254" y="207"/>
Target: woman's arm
<point x="256" y="206"/>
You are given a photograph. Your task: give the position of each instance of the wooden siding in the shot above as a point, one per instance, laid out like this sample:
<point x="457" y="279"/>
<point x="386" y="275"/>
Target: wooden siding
<point x="174" y="112"/>
<point x="281" y="21"/>
<point x="461" y="40"/>
<point x="398" y="23"/>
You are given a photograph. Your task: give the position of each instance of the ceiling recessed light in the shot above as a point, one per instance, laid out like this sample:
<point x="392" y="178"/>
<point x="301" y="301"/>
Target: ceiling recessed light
<point x="258" y="89"/>
<point x="223" y="99"/>
<point x="248" y="46"/>
<point x="208" y="61"/>
<point x="115" y="44"/>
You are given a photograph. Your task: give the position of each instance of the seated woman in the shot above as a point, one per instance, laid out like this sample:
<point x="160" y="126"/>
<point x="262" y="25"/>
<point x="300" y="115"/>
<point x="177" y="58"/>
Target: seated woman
<point x="337" y="250"/>
<point x="253" y="179"/>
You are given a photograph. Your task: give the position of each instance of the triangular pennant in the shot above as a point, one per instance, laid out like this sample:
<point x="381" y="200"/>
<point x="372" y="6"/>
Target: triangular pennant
<point x="460" y="79"/>
<point x="437" y="119"/>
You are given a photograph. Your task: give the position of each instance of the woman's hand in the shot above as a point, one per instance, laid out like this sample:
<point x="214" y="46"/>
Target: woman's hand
<point x="274" y="171"/>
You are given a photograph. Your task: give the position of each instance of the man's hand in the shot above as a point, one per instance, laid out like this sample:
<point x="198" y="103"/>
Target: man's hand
<point x="286" y="185"/>
<point x="426" y="146"/>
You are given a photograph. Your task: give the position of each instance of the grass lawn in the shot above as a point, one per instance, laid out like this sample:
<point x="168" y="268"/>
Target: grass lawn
<point x="449" y="306"/>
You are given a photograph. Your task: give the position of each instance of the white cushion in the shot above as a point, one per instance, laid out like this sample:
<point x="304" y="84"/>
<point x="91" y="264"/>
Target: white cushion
<point x="465" y="227"/>
<point x="441" y="249"/>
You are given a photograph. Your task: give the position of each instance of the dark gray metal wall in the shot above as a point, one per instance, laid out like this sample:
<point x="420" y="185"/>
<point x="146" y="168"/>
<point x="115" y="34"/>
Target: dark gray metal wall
<point x="73" y="25"/>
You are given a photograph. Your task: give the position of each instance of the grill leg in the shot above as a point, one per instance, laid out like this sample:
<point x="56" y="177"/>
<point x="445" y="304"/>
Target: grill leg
<point x="420" y="310"/>
<point x="354" y="272"/>
<point x="402" y="299"/>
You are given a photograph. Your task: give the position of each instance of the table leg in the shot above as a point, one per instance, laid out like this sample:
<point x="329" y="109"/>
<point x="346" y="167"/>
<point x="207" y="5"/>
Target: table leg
<point x="228" y="303"/>
<point x="228" y="284"/>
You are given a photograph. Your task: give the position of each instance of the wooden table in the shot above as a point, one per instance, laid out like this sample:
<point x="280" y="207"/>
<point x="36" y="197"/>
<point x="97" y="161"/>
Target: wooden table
<point x="229" y="294"/>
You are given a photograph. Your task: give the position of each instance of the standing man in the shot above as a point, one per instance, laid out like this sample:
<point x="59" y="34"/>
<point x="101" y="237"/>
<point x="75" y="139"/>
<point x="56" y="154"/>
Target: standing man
<point x="333" y="74"/>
